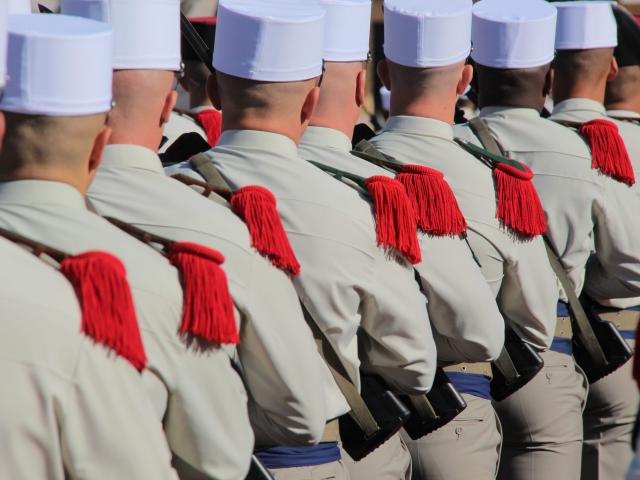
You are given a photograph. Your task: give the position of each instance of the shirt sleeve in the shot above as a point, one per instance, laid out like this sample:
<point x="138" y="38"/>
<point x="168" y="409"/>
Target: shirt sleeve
<point x="280" y="362"/>
<point x="398" y="344"/>
<point x="465" y="331"/>
<point x="108" y="428"/>
<point x="614" y="270"/>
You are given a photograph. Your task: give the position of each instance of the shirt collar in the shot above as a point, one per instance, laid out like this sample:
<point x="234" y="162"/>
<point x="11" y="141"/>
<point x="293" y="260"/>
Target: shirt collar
<point x="133" y="156"/>
<point x="326" y="137"/>
<point x="276" y="143"/>
<point x="33" y="192"/>
<point x="197" y="110"/>
<point x="624" y="114"/>
<point x="511" y="111"/>
<point x="419" y="126"/>
<point x="573" y="104"/>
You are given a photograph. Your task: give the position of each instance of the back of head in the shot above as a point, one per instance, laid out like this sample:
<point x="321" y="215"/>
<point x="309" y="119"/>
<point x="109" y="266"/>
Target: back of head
<point x="585" y="38"/>
<point x="268" y="57"/>
<point x="623" y="92"/>
<point x="55" y="113"/>
<point x="420" y="68"/>
<point x="196" y="72"/>
<point x="513" y="47"/>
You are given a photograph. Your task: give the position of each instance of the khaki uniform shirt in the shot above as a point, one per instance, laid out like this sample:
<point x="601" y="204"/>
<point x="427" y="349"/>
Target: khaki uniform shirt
<point x="346" y="281"/>
<point x="70" y="408"/>
<point x="517" y="271"/>
<point x="586" y="211"/>
<point x="465" y="331"/>
<point x="184" y="383"/>
<point x="277" y="353"/>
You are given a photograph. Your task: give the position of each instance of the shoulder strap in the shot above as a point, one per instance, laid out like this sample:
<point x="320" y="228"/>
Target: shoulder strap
<point x="582" y="321"/>
<point x="36" y="248"/>
<point x="209" y="172"/>
<point x="480" y="128"/>
<point x="359" y="410"/>
<point x="369" y="152"/>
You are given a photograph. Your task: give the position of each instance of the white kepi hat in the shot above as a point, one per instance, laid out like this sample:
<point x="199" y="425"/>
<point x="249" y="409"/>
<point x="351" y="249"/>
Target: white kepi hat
<point x="271" y="41"/>
<point x="3" y="45"/>
<point x="585" y="25"/>
<point x="427" y="33"/>
<point x="513" y="34"/>
<point x="19" y="7"/>
<point x="346" y="30"/>
<point x="58" y="66"/>
<point x="146" y="34"/>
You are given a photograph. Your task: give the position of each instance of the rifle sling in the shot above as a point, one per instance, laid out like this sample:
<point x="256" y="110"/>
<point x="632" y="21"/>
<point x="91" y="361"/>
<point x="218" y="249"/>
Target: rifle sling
<point x="583" y="326"/>
<point x="359" y="410"/>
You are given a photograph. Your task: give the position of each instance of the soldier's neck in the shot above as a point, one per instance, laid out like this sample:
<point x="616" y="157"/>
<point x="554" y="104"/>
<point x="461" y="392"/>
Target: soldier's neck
<point x="434" y="110"/>
<point x="631" y="105"/>
<point x="271" y="124"/>
<point x="565" y="89"/>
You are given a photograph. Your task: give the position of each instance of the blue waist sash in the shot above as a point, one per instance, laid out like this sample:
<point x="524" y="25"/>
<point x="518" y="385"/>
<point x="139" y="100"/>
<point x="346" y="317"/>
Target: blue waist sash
<point x="471" y="384"/>
<point x="288" y="457"/>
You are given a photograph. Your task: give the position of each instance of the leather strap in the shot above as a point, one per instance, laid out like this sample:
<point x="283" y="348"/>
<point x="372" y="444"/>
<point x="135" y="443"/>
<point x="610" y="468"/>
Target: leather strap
<point x="359" y="410"/>
<point x="583" y="326"/>
<point x="478" y="368"/>
<point x="203" y="165"/>
<point x="331" y="431"/>
<point x="480" y="128"/>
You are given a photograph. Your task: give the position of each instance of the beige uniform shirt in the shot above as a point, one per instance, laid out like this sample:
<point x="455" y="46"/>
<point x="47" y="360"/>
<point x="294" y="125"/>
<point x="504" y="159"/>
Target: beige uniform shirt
<point x="69" y="408"/>
<point x="277" y="354"/>
<point x="517" y="271"/>
<point x="585" y="210"/>
<point x="465" y="331"/>
<point x="197" y="395"/>
<point x="346" y="281"/>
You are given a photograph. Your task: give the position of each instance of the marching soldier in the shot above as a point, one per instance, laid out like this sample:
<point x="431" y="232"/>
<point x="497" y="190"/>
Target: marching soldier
<point x="468" y="333"/>
<point x="55" y="136"/>
<point x="584" y="64"/>
<point x="425" y="77"/>
<point x="276" y="353"/>
<point x="360" y="298"/>
<point x="64" y="388"/>
<point x="583" y="207"/>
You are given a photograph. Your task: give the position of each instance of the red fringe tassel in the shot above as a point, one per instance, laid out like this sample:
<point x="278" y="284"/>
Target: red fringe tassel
<point x="108" y="312"/>
<point x="435" y="205"/>
<point x="257" y="207"/>
<point x="519" y="206"/>
<point x="396" y="225"/>
<point x="208" y="308"/>
<point x="211" y="122"/>
<point x="608" y="151"/>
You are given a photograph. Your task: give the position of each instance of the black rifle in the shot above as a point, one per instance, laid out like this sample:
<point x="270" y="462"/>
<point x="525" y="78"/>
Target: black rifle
<point x="389" y="412"/>
<point x="615" y="349"/>
<point x="517" y="364"/>
<point x="429" y="412"/>
<point x="258" y="471"/>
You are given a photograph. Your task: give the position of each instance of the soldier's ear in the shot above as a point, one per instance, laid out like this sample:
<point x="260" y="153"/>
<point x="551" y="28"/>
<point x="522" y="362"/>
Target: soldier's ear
<point x="214" y="92"/>
<point x="100" y="141"/>
<point x="361" y="87"/>
<point x="383" y="73"/>
<point x="465" y="79"/>
<point x="613" y="69"/>
<point x="548" y="82"/>
<point x="169" y="102"/>
<point x="309" y="105"/>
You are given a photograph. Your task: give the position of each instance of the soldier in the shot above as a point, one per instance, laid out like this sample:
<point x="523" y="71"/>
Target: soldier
<point x="582" y="207"/>
<point x="55" y="136"/>
<point x="267" y="81"/>
<point x="468" y="333"/>
<point x="277" y="356"/>
<point x="64" y="390"/>
<point x="584" y="64"/>
<point x="425" y="78"/>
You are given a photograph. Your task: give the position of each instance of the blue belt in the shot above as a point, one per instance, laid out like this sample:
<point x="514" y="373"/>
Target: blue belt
<point x="471" y="383"/>
<point x="288" y="457"/>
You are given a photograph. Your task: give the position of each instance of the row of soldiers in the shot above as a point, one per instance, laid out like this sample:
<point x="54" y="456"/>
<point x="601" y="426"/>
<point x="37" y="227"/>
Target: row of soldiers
<point x="236" y="308"/>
